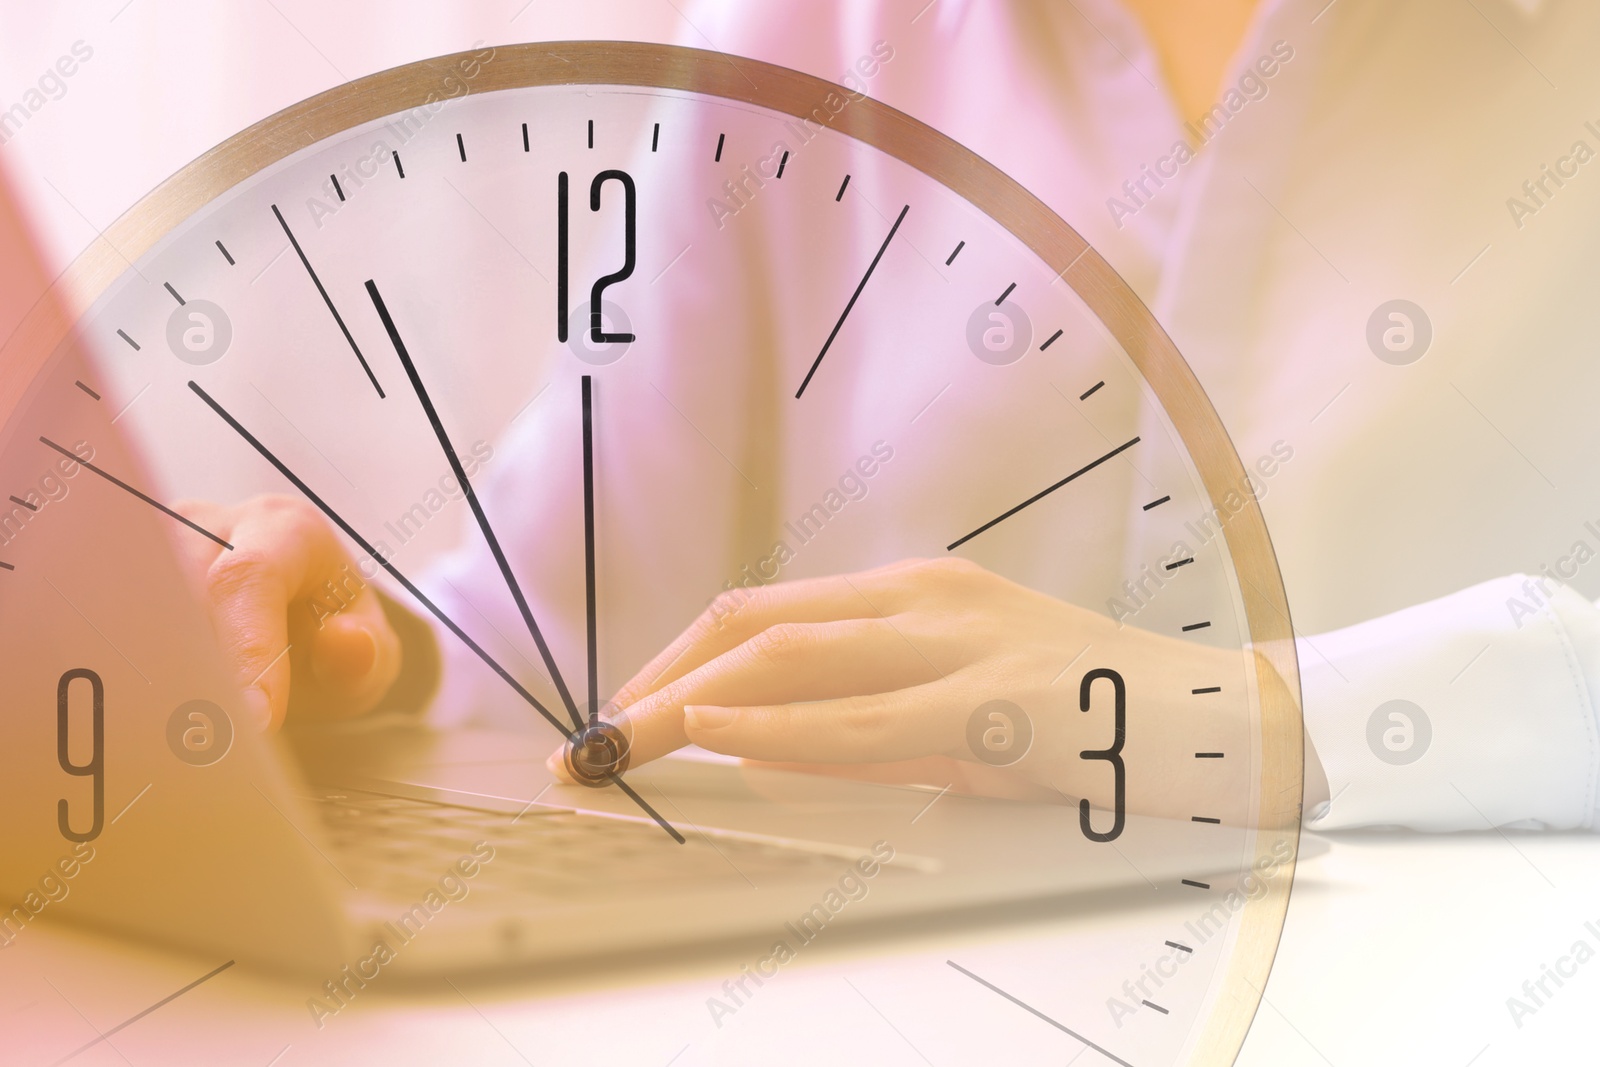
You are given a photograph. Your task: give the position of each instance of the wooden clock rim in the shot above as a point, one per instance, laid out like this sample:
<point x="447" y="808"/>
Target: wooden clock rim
<point x="26" y="354"/>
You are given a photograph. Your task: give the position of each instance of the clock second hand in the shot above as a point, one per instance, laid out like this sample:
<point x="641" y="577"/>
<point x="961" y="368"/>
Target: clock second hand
<point x="410" y="587"/>
<point x="483" y="520"/>
<point x="371" y="550"/>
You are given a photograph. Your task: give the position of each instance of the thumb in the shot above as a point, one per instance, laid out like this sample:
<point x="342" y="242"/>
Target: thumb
<point x="248" y="601"/>
<point x="352" y="660"/>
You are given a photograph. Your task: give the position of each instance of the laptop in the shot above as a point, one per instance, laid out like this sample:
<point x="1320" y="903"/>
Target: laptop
<point x="384" y="842"/>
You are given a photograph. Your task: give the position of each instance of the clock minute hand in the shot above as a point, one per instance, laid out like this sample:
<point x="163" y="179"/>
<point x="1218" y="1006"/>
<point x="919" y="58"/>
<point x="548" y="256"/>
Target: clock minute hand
<point x="477" y="507"/>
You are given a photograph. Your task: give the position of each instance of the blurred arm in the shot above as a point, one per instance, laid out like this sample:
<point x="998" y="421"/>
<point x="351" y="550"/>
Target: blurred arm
<point x="1471" y="711"/>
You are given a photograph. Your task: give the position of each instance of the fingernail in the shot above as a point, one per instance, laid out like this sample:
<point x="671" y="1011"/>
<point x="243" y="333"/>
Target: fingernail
<point x="703" y="717"/>
<point x="257" y="709"/>
<point x="347" y="655"/>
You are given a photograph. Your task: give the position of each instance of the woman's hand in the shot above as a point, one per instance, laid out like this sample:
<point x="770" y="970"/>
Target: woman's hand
<point x="302" y="629"/>
<point x="883" y="672"/>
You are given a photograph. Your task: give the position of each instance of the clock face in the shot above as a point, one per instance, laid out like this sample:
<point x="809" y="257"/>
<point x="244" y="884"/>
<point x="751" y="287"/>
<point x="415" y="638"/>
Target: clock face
<point x="800" y="335"/>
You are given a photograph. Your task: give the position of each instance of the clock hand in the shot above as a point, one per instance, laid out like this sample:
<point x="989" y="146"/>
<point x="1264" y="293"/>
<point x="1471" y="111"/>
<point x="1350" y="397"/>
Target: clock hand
<point x="1035" y="1011"/>
<point x="599" y="751"/>
<point x="1035" y="498"/>
<point x="369" y="549"/>
<point x="588" y="547"/>
<point x="326" y="299"/>
<point x="483" y="520"/>
<point x="853" y="298"/>
<point x="422" y="598"/>
<point x="119" y="483"/>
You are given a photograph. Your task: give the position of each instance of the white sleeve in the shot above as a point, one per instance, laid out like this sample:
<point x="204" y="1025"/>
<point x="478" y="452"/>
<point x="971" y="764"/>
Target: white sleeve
<point x="1471" y="711"/>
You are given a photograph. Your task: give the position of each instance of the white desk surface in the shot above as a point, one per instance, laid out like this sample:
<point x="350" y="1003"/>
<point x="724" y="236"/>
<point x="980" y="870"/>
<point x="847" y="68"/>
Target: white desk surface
<point x="1400" y="949"/>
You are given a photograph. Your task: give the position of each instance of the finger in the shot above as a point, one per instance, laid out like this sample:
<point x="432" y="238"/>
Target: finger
<point x="740" y="614"/>
<point x="352" y="655"/>
<point x="281" y="550"/>
<point x="784" y="664"/>
<point x="881" y="727"/>
<point x="944" y="773"/>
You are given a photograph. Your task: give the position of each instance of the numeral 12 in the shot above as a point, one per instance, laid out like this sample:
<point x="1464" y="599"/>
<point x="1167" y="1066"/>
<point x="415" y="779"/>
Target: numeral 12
<point x="597" y="334"/>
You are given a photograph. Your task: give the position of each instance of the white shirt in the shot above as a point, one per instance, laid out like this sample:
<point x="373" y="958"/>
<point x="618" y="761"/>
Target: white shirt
<point x="1377" y="164"/>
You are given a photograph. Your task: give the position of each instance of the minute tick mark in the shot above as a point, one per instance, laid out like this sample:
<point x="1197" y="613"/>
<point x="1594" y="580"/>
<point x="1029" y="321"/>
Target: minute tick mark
<point x="461" y="147"/>
<point x="843" y="186"/>
<point x="226" y="254"/>
<point x="1114" y="1058"/>
<point x="168" y="286"/>
<point x="399" y="167"/>
<point x="1005" y="294"/>
<point x="853" y="298"/>
<point x="1093" y="389"/>
<point x="721" y="137"/>
<point x="956" y="253"/>
<point x="24" y="503"/>
<point x="1035" y="498"/>
<point x="106" y="1035"/>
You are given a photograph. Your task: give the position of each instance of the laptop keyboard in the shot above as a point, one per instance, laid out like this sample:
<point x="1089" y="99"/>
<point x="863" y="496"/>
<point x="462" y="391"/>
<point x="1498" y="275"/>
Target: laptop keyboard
<point x="395" y="845"/>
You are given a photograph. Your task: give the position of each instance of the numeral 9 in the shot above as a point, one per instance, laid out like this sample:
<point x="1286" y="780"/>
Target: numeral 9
<point x="96" y="767"/>
<point x="1112" y="755"/>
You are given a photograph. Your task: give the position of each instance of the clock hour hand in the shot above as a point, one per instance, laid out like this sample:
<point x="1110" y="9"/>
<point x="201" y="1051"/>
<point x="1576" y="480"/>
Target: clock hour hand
<point x="597" y="752"/>
<point x="478" y="513"/>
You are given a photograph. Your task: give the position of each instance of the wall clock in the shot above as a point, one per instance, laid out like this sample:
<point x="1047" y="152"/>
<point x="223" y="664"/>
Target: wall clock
<point x="798" y="334"/>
